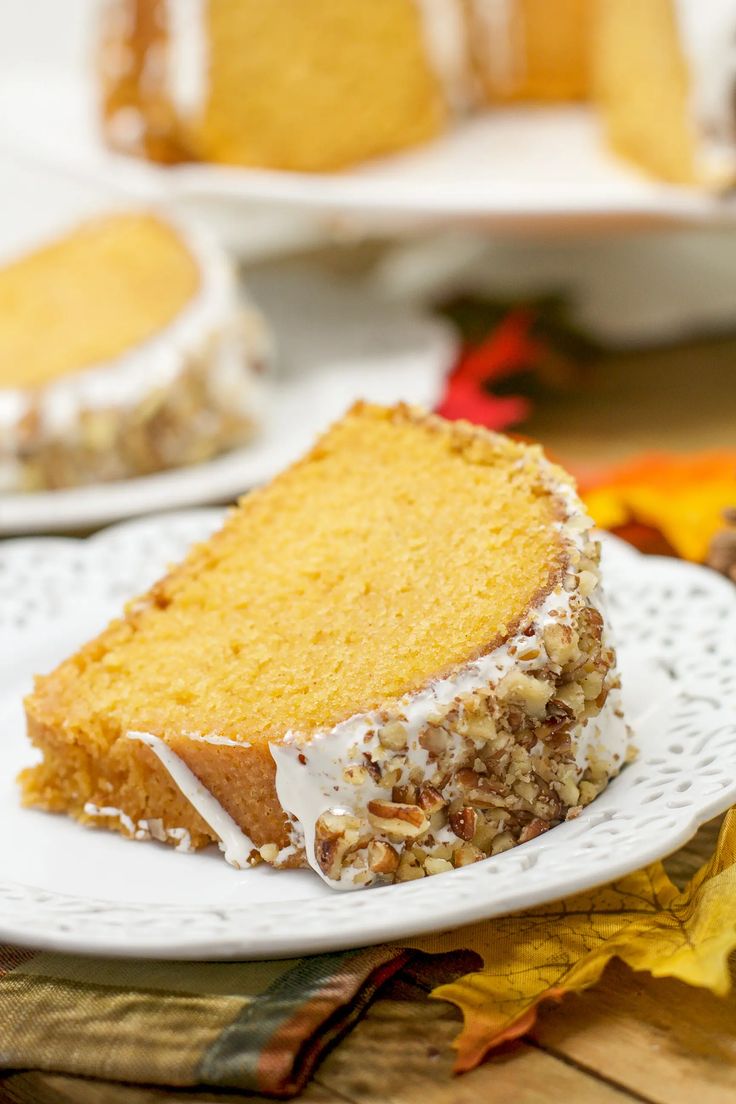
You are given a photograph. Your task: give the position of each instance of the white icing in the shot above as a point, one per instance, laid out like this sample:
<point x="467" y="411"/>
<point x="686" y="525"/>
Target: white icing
<point x="153" y="71"/>
<point x="187" y="64"/>
<point x="236" y="845"/>
<point x="120" y="18"/>
<point x="500" y="43"/>
<point x="230" y="377"/>
<point x="110" y="811"/>
<point x="310" y="772"/>
<point x="127" y="129"/>
<point x="209" y="320"/>
<point x="287" y="852"/>
<point x="214" y="738"/>
<point x="446" y="38"/>
<point x="604" y="738"/>
<point x="212" y="812"/>
<point x="144" y="829"/>
<point x="708" y="37"/>
<point x="181" y="834"/>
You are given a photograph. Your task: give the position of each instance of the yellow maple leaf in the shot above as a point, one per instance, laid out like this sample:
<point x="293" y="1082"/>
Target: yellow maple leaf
<point x="682" y="496"/>
<point x="539" y="955"/>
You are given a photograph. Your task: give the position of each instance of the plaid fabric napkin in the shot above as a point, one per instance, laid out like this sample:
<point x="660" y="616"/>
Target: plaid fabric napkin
<point x="263" y="1026"/>
<point x="255" y="1026"/>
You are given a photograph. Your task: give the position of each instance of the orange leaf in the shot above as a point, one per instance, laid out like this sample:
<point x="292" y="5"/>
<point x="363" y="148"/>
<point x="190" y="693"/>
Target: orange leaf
<point x="540" y="955"/>
<point x="683" y="497"/>
<point x="479" y="1036"/>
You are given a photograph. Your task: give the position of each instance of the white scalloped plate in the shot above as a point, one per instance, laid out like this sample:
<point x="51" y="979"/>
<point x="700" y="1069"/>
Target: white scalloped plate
<point x="67" y="888"/>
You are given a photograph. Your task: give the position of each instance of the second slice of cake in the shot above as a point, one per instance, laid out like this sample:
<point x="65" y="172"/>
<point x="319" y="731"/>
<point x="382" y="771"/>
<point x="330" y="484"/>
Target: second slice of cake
<point x="390" y="662"/>
<point x="124" y="350"/>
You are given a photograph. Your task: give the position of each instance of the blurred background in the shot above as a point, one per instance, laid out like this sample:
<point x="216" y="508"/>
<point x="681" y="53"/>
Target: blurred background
<point x="222" y="222"/>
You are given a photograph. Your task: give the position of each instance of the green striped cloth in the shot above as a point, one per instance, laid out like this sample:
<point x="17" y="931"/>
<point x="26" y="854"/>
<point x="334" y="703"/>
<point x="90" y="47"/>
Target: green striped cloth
<point x="256" y="1026"/>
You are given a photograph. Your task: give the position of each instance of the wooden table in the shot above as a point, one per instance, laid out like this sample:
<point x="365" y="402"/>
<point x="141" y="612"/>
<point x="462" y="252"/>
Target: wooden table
<point x="630" y="1038"/>
<point x="681" y="398"/>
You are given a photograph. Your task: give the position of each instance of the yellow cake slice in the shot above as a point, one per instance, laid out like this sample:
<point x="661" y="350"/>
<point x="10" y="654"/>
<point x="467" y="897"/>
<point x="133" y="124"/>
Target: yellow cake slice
<point x="390" y="661"/>
<point x="300" y="84"/>
<point x="664" y="79"/>
<point x="123" y="350"/>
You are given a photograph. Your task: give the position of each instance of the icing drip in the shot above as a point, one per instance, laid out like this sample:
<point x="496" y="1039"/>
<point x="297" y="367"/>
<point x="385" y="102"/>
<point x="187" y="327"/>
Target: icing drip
<point x="446" y="38"/>
<point x="214" y="738"/>
<point x="237" y="847"/>
<point x="186" y="69"/>
<point x="152" y="828"/>
<point x="708" y="38"/>
<point x="501" y="45"/>
<point x="112" y="811"/>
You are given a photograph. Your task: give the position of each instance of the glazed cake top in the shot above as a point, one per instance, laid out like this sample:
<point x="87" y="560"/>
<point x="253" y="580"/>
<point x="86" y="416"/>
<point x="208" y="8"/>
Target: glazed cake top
<point x="398" y="550"/>
<point x="88" y="297"/>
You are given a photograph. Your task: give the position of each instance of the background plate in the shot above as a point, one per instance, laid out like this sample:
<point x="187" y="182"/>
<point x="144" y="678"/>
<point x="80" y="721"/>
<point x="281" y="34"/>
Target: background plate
<point x="520" y="164"/>
<point x="67" y="888"/>
<point x="336" y="343"/>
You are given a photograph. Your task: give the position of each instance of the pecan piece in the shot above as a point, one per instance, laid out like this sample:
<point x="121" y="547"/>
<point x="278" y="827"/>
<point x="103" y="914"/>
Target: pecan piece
<point x="373" y="769"/>
<point x="405" y="795"/>
<point x="528" y="693"/>
<point x="434" y="740"/>
<point x="464" y="822"/>
<point x="382" y="858"/>
<point x="393" y="736"/>
<point x="561" y="642"/>
<point x="466" y="855"/>
<point x="430" y="799"/>
<point x="533" y="829"/>
<point x="436" y="866"/>
<point x="335" y="835"/>
<point x="397" y="819"/>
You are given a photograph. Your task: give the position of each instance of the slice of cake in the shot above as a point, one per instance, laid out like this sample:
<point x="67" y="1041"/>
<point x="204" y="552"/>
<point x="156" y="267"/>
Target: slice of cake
<point x="291" y="85"/>
<point x="123" y="350"/>
<point x="389" y="662"/>
<point x="664" y="77"/>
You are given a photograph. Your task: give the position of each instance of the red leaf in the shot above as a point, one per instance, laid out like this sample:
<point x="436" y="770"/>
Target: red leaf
<point x="508" y="350"/>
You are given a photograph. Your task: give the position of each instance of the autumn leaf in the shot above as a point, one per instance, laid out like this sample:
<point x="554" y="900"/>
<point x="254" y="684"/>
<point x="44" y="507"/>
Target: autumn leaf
<point x="507" y="351"/>
<point x="541" y="955"/>
<point x="683" y="497"/>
